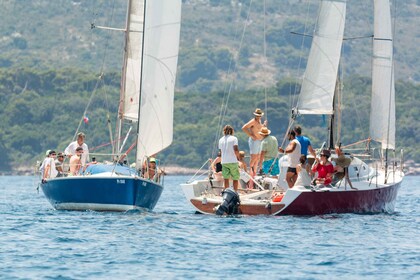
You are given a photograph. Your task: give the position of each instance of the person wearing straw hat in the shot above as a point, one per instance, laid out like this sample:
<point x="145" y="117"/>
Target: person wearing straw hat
<point x="342" y="164"/>
<point x="268" y="155"/>
<point x="252" y="129"/>
<point x="294" y="152"/>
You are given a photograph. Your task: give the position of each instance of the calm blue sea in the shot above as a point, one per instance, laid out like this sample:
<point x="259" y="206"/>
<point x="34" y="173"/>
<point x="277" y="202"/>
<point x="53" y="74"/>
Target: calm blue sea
<point x="37" y="242"/>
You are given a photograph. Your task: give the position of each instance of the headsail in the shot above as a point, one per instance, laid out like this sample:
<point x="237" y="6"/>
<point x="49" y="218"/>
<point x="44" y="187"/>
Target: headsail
<point x="382" y="116"/>
<point x="162" y="30"/>
<point x="317" y="93"/>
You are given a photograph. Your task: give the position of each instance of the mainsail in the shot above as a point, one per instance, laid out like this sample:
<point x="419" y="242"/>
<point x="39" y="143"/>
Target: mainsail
<point x="317" y="93"/>
<point x="382" y="113"/>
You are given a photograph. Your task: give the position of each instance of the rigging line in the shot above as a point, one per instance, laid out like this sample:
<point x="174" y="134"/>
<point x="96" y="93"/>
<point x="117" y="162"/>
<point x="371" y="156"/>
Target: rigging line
<point x="289" y="126"/>
<point x="101" y="73"/>
<point x="296" y="96"/>
<point x="104" y="145"/>
<point x="239" y="50"/>
<point x="265" y="62"/>
<point x="225" y="90"/>
<point x="228" y="90"/>
<point x="88" y="104"/>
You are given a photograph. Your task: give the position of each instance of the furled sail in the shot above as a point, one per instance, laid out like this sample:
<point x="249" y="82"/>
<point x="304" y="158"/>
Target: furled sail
<point x="317" y="93"/>
<point x="382" y="116"/>
<point x="162" y="31"/>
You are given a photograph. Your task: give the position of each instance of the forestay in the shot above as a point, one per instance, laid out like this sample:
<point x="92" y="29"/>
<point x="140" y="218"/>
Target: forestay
<point x="317" y="93"/>
<point x="382" y="118"/>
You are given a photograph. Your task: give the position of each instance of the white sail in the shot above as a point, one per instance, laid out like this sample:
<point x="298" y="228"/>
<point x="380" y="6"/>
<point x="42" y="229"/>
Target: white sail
<point x="133" y="59"/>
<point x="317" y="93"/>
<point x="162" y="30"/>
<point x="382" y="118"/>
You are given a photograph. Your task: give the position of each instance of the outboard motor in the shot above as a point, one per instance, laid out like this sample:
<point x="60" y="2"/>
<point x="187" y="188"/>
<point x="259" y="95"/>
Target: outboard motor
<point x="230" y="203"/>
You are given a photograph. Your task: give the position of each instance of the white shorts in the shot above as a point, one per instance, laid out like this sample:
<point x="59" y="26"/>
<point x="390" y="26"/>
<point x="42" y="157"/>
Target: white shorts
<point x="254" y="146"/>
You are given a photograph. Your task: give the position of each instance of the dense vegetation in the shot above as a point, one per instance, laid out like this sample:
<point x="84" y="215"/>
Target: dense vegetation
<point x="50" y="60"/>
<point x="45" y="107"/>
<point x="217" y="36"/>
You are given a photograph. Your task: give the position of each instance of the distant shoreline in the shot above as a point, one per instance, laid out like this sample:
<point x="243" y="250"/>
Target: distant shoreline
<point x="411" y="169"/>
<point x="30" y="171"/>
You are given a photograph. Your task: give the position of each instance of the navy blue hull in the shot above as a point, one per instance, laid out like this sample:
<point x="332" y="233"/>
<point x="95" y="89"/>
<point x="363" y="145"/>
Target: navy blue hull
<point x="102" y="193"/>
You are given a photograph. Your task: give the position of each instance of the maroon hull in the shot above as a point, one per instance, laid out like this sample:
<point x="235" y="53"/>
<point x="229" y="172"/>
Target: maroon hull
<point x="367" y="201"/>
<point x="376" y="200"/>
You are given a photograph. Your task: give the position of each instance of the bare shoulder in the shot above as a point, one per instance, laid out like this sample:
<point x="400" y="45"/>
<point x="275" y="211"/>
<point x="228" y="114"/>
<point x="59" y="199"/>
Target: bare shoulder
<point x="249" y="124"/>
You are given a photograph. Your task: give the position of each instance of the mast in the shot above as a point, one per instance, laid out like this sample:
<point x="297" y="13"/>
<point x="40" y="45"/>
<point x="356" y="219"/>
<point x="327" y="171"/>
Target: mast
<point x="138" y="164"/>
<point x="122" y="83"/>
<point x="331" y="128"/>
<point x="335" y="119"/>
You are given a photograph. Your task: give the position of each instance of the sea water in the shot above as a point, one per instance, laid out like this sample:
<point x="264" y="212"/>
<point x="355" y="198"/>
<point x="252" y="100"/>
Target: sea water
<point x="37" y="242"/>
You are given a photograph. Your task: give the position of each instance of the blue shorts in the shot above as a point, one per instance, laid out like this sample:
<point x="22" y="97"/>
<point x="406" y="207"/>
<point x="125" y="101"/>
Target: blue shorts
<point x="254" y="146"/>
<point x="267" y="164"/>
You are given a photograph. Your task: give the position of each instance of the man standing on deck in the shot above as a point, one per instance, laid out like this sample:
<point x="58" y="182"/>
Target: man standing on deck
<point x="252" y="129"/>
<point x="71" y="148"/>
<point x="228" y="146"/>
<point x="294" y="152"/>
<point x="268" y="156"/>
<point x="305" y="143"/>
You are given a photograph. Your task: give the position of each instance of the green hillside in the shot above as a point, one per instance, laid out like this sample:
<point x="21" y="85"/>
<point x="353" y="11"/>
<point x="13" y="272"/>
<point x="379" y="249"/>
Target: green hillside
<point x="58" y="34"/>
<point x="51" y="60"/>
<point x="45" y="107"/>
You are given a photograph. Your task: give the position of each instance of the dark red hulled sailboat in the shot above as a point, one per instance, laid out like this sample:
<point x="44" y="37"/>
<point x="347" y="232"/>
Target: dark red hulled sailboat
<point x="369" y="188"/>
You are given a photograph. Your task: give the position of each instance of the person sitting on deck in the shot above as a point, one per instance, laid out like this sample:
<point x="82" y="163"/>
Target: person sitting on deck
<point x="42" y="166"/>
<point x="244" y="176"/>
<point x="216" y="167"/>
<point x="61" y="166"/>
<point x="303" y="170"/>
<point x="152" y="172"/>
<point x="76" y="162"/>
<point x="341" y="168"/>
<point x="49" y="170"/>
<point x="324" y="168"/>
